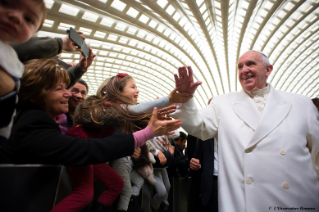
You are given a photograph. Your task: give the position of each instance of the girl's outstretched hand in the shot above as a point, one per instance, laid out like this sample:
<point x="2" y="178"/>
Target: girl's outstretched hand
<point x="176" y="97"/>
<point x="163" y="127"/>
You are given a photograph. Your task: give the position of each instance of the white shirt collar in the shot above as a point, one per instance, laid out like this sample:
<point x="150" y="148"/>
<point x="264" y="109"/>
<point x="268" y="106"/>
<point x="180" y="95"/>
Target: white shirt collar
<point x="259" y="92"/>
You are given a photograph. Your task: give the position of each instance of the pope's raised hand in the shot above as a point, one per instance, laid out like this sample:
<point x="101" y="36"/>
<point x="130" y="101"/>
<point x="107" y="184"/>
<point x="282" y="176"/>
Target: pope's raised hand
<point x="184" y="81"/>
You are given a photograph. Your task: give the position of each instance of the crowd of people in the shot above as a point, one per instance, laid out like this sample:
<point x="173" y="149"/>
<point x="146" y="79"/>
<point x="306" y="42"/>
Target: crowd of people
<point x="252" y="150"/>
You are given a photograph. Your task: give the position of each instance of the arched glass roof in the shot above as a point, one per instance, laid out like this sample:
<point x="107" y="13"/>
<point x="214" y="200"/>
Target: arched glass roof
<point x="150" y="39"/>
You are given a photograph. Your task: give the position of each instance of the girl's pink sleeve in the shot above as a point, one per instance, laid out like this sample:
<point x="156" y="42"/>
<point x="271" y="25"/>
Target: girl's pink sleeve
<point x="141" y="136"/>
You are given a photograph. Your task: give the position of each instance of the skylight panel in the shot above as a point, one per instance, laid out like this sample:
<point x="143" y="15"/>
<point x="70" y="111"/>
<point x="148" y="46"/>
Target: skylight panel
<point x="263" y="13"/>
<point x="296" y="15"/>
<point x="90" y="16"/>
<point x="106" y="46"/>
<point x="99" y="34"/>
<point x="149" y="37"/>
<point x="245" y="5"/>
<point x="102" y="59"/>
<point x="65" y="27"/>
<point x="116" y="4"/>
<point x="162" y="3"/>
<point x="99" y="64"/>
<point x="306" y="7"/>
<point x="170" y="10"/>
<point x="66" y="55"/>
<point x="289" y="6"/>
<point x="176" y="16"/>
<point x="144" y="19"/>
<point x="131" y="30"/>
<point x="48" y="3"/>
<point x="85" y="31"/>
<point x="123" y="40"/>
<point x="141" y="34"/>
<point x="156" y="41"/>
<point x="160" y="28"/>
<point x="69" y="10"/>
<point x="167" y="32"/>
<point x="121" y="56"/>
<point x="202" y="9"/>
<point x="140" y="45"/>
<point x="132" y="43"/>
<point x="199" y="2"/>
<point x="153" y="24"/>
<point x="112" y="37"/>
<point x="120" y="26"/>
<point x="132" y="12"/>
<point x="48" y="23"/>
<point x="107" y="22"/>
<point x="103" y="1"/>
<point x="182" y="21"/>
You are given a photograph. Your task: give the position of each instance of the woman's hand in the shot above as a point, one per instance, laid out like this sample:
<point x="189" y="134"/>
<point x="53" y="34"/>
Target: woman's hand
<point x="137" y="153"/>
<point x="85" y="63"/>
<point x="163" y="113"/>
<point x="163" y="127"/>
<point x="69" y="46"/>
<point x="195" y="164"/>
<point x="176" y="97"/>
<point x="171" y="148"/>
<point x="162" y="158"/>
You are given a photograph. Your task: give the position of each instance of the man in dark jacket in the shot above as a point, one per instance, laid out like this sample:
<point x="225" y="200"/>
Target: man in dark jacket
<point x="180" y="159"/>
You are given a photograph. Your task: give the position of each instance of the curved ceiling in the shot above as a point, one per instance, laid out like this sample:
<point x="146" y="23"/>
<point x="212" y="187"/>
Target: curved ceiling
<point x="150" y="39"/>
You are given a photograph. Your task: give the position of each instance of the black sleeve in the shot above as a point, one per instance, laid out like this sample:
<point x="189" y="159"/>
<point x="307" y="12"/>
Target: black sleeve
<point x="75" y="73"/>
<point x="36" y="138"/>
<point x="169" y="158"/>
<point x="7" y="107"/>
<point x="198" y="153"/>
<point x="37" y="48"/>
<point x="45" y="47"/>
<point x="191" y="146"/>
<point x="180" y="160"/>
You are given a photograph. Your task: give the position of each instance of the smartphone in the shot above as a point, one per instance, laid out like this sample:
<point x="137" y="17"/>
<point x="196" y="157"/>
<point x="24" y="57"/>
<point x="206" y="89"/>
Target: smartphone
<point x="75" y="37"/>
<point x="62" y="63"/>
<point x="79" y="42"/>
<point x="85" y="50"/>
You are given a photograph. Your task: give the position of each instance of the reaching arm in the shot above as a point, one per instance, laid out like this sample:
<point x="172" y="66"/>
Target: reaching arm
<point x="148" y="106"/>
<point x="37" y="48"/>
<point x="202" y="124"/>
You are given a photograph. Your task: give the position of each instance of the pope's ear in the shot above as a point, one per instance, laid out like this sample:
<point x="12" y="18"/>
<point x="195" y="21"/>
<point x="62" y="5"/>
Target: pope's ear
<point x="269" y="70"/>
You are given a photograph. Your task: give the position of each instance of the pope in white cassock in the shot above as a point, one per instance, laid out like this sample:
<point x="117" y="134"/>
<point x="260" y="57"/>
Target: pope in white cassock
<point x="268" y="141"/>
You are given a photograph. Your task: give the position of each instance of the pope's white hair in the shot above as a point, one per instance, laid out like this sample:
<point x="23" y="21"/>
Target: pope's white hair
<point x="263" y="57"/>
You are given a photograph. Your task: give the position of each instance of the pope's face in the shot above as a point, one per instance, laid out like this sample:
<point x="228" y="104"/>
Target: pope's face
<point x="252" y="72"/>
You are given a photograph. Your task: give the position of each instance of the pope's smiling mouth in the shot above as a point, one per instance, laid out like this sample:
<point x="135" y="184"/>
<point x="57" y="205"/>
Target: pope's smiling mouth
<point x="247" y="77"/>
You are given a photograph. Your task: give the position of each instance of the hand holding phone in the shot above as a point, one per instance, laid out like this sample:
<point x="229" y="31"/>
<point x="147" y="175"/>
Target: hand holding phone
<point x="79" y="42"/>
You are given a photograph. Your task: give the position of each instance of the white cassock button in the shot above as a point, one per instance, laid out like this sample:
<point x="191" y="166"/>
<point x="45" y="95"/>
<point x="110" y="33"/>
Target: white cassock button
<point x="282" y="152"/>
<point x="248" y="181"/>
<point x="285" y="185"/>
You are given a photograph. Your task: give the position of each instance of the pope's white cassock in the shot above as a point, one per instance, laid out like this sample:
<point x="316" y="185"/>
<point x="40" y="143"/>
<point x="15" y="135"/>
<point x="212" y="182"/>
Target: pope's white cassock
<point x="268" y="150"/>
